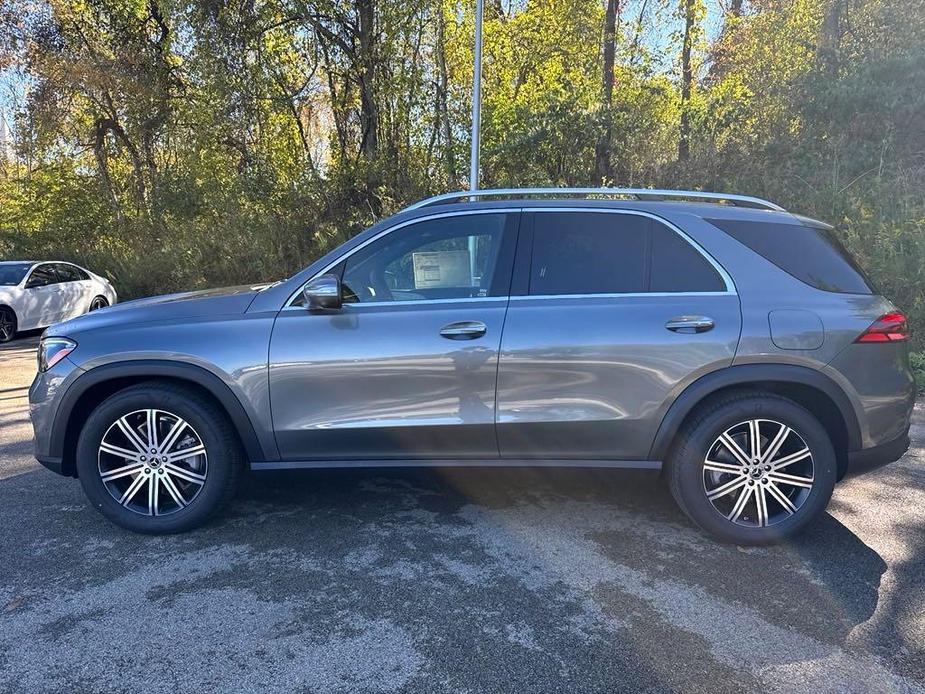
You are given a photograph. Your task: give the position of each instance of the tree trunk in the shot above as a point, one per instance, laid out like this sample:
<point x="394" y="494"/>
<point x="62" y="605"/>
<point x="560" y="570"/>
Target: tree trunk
<point x="369" y="113"/>
<point x="159" y="110"/>
<point x="101" y="128"/>
<point x="602" y="168"/>
<point x="102" y="162"/>
<point x="687" y="79"/>
<point x="830" y="43"/>
<point x="442" y="110"/>
<point x="337" y="106"/>
<point x="721" y="59"/>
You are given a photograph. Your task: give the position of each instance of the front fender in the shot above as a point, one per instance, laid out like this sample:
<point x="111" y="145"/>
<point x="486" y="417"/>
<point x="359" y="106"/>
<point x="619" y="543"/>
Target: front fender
<point x="141" y="369"/>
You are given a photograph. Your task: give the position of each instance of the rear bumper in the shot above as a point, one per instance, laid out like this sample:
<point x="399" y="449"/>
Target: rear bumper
<point x="867" y="459"/>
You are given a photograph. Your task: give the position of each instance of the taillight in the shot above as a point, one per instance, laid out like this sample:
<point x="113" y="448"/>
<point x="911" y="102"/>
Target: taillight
<point x="891" y="327"/>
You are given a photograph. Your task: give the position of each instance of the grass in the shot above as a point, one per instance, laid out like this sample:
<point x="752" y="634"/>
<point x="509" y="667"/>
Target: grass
<point x="917" y="359"/>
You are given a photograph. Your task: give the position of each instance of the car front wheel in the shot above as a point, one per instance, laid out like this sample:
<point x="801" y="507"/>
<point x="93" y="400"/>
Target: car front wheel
<point x="753" y="468"/>
<point x="158" y="458"/>
<point x="7" y="324"/>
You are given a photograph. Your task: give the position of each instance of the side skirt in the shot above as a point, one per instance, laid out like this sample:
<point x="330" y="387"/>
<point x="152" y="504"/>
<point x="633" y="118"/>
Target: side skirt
<point x="455" y="462"/>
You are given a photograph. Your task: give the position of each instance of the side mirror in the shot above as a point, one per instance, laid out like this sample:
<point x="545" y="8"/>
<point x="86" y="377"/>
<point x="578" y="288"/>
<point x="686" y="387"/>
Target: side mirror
<point x="323" y="293"/>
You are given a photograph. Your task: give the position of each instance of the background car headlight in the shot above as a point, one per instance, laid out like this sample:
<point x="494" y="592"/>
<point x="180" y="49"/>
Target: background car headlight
<point x="52" y="350"/>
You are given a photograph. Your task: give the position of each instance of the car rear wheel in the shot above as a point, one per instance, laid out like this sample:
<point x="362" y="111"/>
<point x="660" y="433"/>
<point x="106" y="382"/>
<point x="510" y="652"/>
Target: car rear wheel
<point x="753" y="468"/>
<point x="158" y="458"/>
<point x="98" y="303"/>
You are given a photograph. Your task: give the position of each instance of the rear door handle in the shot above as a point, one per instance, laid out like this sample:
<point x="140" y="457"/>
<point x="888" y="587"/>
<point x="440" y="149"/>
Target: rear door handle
<point x="690" y="324"/>
<point x="463" y="330"/>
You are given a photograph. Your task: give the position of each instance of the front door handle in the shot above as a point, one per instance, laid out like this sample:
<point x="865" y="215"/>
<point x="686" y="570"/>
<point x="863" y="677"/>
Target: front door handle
<point x="463" y="330"/>
<point x="690" y="324"/>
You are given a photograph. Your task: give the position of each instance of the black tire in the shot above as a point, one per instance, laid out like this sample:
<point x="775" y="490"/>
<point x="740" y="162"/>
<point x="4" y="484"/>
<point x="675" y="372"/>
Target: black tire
<point x="8" y="324"/>
<point x="98" y="303"/>
<point x="686" y="473"/>
<point x="225" y="457"/>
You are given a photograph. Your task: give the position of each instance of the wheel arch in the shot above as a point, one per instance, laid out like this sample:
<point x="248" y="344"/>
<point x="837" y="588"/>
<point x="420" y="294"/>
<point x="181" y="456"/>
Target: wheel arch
<point x="95" y="385"/>
<point x="807" y="387"/>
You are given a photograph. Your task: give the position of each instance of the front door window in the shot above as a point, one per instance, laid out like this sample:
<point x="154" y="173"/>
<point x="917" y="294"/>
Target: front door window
<point x="445" y="258"/>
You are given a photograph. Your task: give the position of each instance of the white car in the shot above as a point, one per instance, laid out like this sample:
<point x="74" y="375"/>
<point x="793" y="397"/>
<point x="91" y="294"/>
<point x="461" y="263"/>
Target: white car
<point x="37" y="294"/>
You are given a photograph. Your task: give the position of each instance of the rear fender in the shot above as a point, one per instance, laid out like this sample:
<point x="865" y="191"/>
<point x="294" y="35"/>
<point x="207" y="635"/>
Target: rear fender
<point x="746" y="375"/>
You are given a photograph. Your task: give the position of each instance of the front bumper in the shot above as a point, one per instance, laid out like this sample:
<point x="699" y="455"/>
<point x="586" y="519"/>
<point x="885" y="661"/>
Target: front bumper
<point x="867" y="459"/>
<point x="44" y="398"/>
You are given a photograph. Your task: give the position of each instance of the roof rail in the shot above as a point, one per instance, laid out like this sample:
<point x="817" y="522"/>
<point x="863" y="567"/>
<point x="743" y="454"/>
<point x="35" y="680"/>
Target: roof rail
<point x="637" y="193"/>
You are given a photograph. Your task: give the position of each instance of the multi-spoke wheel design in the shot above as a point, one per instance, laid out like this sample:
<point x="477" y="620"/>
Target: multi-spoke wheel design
<point x="152" y="462"/>
<point x="758" y="473"/>
<point x="98" y="303"/>
<point x="7" y="325"/>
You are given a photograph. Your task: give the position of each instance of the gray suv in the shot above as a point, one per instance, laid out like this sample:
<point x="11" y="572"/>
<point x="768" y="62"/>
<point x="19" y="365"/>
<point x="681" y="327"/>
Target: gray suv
<point x="731" y="344"/>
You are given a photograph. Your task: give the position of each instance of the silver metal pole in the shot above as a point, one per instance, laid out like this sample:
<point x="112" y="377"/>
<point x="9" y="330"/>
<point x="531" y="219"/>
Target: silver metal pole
<point x="476" y="127"/>
<point x="476" y="100"/>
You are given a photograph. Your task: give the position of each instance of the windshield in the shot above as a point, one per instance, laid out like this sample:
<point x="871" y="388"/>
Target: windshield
<point x="11" y="274"/>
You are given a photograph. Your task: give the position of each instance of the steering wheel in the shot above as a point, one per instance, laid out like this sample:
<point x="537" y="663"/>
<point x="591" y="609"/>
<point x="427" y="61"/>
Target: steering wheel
<point x="375" y="289"/>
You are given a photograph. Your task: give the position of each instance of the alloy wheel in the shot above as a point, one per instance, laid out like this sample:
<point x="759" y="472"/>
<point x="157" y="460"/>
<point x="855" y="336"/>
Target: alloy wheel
<point x="152" y="462"/>
<point x="98" y="303"/>
<point x="758" y="473"/>
<point x="7" y="326"/>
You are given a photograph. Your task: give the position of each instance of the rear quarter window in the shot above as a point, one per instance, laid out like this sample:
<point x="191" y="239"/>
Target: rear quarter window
<point x="812" y="254"/>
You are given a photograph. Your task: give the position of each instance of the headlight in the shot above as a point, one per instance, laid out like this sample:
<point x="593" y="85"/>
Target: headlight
<point x="52" y="350"/>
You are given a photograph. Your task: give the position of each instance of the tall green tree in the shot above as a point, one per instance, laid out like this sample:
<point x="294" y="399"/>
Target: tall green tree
<point x="182" y="143"/>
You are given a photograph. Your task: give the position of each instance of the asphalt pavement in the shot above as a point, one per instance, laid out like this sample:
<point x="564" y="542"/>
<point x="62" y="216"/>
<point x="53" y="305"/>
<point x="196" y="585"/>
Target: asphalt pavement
<point x="452" y="581"/>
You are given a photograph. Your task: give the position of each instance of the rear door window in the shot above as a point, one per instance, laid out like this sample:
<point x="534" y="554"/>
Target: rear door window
<point x="70" y="273"/>
<point x="606" y="253"/>
<point x="678" y="267"/>
<point x="812" y="254"/>
<point x="588" y="253"/>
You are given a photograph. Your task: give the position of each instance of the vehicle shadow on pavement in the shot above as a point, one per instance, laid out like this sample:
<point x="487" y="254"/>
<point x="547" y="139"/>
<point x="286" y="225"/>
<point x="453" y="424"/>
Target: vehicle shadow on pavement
<point x="24" y="342"/>
<point x="585" y="580"/>
<point x="841" y="574"/>
<point x="619" y="535"/>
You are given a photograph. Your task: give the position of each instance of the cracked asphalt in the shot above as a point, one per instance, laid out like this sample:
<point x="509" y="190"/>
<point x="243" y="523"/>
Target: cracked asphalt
<point x="452" y="581"/>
